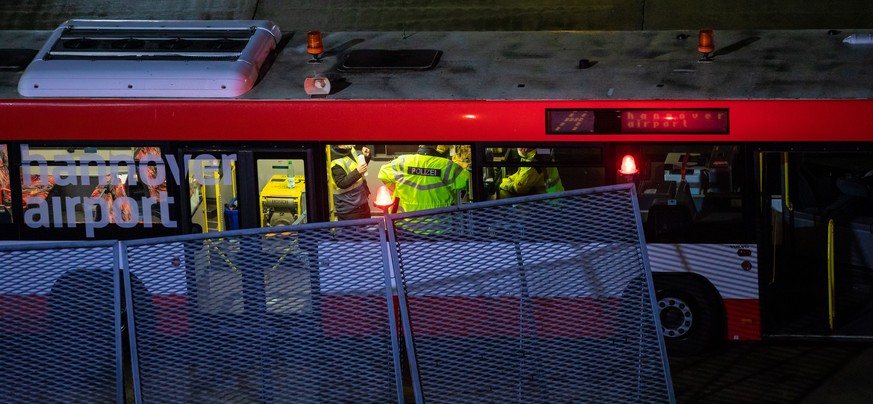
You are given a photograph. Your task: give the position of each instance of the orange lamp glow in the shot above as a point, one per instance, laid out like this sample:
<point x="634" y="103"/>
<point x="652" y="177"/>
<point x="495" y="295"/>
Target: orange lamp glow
<point x="705" y="41"/>
<point x="314" y="46"/>
<point x="628" y="165"/>
<point x="384" y="200"/>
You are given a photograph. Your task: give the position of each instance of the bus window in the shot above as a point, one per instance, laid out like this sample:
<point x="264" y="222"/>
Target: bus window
<point x="520" y="170"/>
<point x="690" y="193"/>
<point x="94" y="187"/>
<point x="832" y="184"/>
<point x="282" y="187"/>
<point x="238" y="188"/>
<point x="409" y="171"/>
<point x="212" y="190"/>
<point x="5" y="187"/>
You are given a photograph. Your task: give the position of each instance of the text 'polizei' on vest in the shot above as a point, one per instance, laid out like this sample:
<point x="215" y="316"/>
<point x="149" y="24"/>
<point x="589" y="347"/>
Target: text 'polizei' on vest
<point x="430" y="172"/>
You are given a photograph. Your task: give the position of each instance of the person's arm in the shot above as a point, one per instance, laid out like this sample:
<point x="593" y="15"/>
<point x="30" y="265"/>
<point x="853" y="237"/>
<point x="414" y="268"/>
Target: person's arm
<point x="507" y="183"/>
<point x="461" y="179"/>
<point x="386" y="173"/>
<point x="342" y="179"/>
<point x="521" y="182"/>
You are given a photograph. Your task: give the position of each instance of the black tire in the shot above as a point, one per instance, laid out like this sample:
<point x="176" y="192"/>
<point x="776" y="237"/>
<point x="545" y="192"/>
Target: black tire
<point x="690" y="312"/>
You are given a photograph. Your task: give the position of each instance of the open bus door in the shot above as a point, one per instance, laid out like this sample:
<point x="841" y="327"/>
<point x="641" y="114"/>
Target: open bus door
<point x="818" y="205"/>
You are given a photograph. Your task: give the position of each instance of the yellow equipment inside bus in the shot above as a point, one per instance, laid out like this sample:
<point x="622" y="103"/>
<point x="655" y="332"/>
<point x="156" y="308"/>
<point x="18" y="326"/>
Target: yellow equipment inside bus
<point x="283" y="201"/>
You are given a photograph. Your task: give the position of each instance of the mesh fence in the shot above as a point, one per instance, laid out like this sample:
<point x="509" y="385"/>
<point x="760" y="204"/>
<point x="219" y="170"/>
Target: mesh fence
<point x="298" y="316"/>
<point x="539" y="300"/>
<point x="532" y="300"/>
<point x="60" y="311"/>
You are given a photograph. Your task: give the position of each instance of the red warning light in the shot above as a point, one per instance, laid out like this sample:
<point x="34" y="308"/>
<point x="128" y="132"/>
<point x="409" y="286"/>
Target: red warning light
<point x="383" y="198"/>
<point x="705" y="41"/>
<point x="314" y="46"/>
<point x="628" y="165"/>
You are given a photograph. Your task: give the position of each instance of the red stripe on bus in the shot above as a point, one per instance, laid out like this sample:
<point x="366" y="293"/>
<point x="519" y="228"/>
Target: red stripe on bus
<point x="378" y="120"/>
<point x="464" y="316"/>
<point x="24" y="313"/>
<point x="501" y="316"/>
<point x="569" y="317"/>
<point x="743" y="319"/>
<point x="473" y="316"/>
<point x="354" y="316"/>
<point x="171" y="314"/>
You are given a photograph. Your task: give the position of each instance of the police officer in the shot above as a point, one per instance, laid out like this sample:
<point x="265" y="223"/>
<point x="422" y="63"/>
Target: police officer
<point x="530" y="180"/>
<point x="424" y="180"/>
<point x="350" y="195"/>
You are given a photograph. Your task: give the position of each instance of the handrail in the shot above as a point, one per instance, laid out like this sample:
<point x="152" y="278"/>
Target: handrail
<point x="219" y="220"/>
<point x="219" y="211"/>
<point x="761" y="177"/>
<point x="786" y="177"/>
<point x="831" y="281"/>
<point x="205" y="204"/>
<point x="684" y="165"/>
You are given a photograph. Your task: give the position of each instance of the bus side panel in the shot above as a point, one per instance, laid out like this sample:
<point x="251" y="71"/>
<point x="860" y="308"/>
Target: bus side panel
<point x="731" y="269"/>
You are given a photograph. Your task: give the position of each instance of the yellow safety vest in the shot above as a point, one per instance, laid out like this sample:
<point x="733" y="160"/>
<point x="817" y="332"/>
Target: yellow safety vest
<point x="348" y="199"/>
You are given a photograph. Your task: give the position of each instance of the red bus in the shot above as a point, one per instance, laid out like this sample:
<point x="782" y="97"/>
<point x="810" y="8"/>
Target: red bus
<point x="752" y="158"/>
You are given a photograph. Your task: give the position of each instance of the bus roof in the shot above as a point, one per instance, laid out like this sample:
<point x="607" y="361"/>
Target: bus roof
<point x="551" y="65"/>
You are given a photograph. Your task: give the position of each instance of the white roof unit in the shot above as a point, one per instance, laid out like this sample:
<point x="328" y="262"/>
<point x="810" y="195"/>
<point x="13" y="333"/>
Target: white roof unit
<point x="131" y="58"/>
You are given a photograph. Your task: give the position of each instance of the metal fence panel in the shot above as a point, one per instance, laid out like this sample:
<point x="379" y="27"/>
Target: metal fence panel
<point x="298" y="314"/>
<point x="532" y="300"/>
<point x="538" y="299"/>
<point x="60" y="322"/>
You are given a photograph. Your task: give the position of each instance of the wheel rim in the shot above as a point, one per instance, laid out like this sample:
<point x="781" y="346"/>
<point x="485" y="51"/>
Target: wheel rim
<point x="676" y="316"/>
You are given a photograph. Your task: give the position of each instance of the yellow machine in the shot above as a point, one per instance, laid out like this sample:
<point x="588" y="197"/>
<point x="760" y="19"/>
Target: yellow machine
<point x="283" y="201"/>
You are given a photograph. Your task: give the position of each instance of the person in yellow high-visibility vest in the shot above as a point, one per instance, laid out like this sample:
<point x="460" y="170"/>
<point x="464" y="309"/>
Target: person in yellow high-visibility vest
<point x="350" y="195"/>
<point x="424" y="180"/>
<point x="530" y="180"/>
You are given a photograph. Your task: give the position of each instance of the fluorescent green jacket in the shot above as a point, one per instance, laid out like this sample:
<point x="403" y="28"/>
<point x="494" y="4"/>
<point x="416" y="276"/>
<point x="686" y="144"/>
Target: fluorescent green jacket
<point x="424" y="182"/>
<point x="530" y="180"/>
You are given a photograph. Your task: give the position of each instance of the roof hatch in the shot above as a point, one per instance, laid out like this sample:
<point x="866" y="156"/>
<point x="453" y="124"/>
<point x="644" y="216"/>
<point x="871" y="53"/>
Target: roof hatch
<point x="131" y="58"/>
<point x="384" y="59"/>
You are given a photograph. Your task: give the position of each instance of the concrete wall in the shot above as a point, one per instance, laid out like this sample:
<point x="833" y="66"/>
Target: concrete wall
<point x="455" y="15"/>
<point x="757" y="14"/>
<point x="48" y="14"/>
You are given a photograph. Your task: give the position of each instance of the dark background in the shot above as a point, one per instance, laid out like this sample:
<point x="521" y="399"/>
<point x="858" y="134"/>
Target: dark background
<point x="473" y="15"/>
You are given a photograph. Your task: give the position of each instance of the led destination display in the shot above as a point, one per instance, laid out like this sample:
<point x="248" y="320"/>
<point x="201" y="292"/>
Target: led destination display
<point x="629" y="121"/>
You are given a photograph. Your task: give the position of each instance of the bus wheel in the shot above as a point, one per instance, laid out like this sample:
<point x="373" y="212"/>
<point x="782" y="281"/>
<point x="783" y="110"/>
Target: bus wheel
<point x="690" y="313"/>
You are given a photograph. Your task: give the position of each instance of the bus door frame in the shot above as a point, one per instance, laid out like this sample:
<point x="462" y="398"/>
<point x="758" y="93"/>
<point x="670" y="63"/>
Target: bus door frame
<point x="780" y="241"/>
